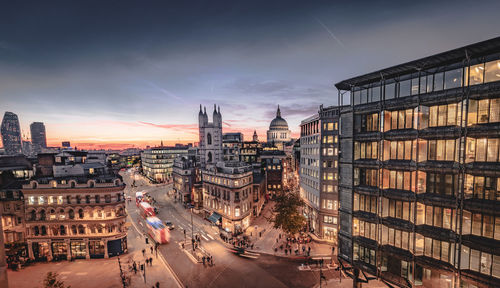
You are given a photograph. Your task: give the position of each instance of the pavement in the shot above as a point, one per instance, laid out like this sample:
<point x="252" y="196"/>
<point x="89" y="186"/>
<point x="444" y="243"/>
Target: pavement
<point x="265" y="242"/>
<point x="103" y="273"/>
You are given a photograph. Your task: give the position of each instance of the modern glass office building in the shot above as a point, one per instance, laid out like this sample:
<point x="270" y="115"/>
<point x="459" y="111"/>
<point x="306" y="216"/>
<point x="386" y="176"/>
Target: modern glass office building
<point x="419" y="185"/>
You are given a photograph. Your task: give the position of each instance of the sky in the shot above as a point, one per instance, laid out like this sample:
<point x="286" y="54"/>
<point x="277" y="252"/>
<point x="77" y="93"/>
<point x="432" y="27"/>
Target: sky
<point x="116" y="74"/>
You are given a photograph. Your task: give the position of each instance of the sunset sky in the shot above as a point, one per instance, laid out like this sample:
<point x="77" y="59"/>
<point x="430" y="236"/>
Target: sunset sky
<point x="122" y="73"/>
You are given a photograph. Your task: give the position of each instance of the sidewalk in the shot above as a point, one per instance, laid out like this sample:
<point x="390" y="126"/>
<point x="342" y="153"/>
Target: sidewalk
<point x="265" y="236"/>
<point x="103" y="273"/>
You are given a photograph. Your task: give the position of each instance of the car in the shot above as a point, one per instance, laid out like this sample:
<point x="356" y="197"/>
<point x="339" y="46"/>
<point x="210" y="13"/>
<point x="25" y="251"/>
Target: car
<point x="170" y="225"/>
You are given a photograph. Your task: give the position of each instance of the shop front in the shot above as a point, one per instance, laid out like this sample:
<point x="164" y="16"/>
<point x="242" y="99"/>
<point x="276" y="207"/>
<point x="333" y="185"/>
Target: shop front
<point x="41" y="251"/>
<point x="96" y="249"/>
<point x="59" y="250"/>
<point x="78" y="249"/>
<point x="117" y="246"/>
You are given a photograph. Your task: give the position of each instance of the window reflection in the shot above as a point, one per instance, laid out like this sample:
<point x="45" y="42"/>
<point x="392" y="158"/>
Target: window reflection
<point x="492" y="71"/>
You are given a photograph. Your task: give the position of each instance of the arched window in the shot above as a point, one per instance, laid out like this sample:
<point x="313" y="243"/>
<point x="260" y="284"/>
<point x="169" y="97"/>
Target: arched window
<point x="62" y="230"/>
<point x="34" y="184"/>
<point x="62" y="215"/>
<point x="71" y="214"/>
<point x="87" y="199"/>
<point x="42" y="215"/>
<point x="107" y="198"/>
<point x="68" y="199"/>
<point x="55" y="231"/>
<point x="73" y="184"/>
<point x="33" y="215"/>
<point x="91" y="184"/>
<point x="80" y="213"/>
<point x="36" y="231"/>
<point x="97" y="199"/>
<point x="99" y="229"/>
<point x="73" y="229"/>
<point x="78" y="199"/>
<point x="209" y="157"/>
<point x="44" y="230"/>
<point x="81" y="230"/>
<point x="209" y="139"/>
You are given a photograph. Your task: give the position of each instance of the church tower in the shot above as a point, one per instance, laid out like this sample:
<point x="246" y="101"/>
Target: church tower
<point x="210" y="134"/>
<point x="255" y="138"/>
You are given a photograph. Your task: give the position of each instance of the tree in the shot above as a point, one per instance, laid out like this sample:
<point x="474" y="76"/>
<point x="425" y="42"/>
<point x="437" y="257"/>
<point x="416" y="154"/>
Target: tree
<point x="286" y="214"/>
<point x="51" y="281"/>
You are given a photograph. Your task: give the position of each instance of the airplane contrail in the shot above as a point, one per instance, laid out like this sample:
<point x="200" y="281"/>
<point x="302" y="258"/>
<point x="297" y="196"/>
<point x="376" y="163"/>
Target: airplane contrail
<point x="330" y="32"/>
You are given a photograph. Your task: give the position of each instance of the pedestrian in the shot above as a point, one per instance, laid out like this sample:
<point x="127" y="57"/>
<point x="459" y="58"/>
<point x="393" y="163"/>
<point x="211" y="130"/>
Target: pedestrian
<point x="143" y="252"/>
<point x="134" y="267"/>
<point x="303" y="249"/>
<point x="147" y="261"/>
<point x="151" y="261"/>
<point x="309" y="249"/>
<point x="276" y="240"/>
<point x="157" y="285"/>
<point x="211" y="261"/>
<point x="260" y="234"/>
<point x="151" y="249"/>
<point x="203" y="260"/>
<point x="280" y="236"/>
<point x="182" y="245"/>
<point x="286" y="251"/>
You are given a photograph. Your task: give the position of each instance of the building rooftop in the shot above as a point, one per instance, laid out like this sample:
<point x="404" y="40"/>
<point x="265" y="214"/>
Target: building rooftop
<point x="445" y="58"/>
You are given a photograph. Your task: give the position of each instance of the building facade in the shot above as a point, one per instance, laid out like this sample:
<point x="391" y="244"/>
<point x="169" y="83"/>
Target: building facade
<point x="11" y="134"/>
<point x="273" y="161"/>
<point x="75" y="217"/>
<point x="38" y="136"/>
<point x="210" y="133"/>
<point x="228" y="195"/>
<point x="158" y="163"/>
<point x="187" y="180"/>
<point x="231" y="146"/>
<point x="278" y="132"/>
<point x="420" y="170"/>
<point x="319" y="172"/>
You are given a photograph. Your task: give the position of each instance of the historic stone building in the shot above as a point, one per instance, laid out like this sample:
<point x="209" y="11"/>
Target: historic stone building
<point x="75" y="216"/>
<point x="228" y="195"/>
<point x="210" y="147"/>
<point x="278" y="132"/>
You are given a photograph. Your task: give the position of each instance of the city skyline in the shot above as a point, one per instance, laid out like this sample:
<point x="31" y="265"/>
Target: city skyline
<point x="145" y="73"/>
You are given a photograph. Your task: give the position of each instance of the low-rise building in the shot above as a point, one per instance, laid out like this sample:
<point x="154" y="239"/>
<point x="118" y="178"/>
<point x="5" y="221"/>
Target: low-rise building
<point x="272" y="162"/>
<point x="187" y="180"/>
<point x="158" y="162"/>
<point x="227" y="195"/>
<point x="75" y="217"/>
<point x="231" y="146"/>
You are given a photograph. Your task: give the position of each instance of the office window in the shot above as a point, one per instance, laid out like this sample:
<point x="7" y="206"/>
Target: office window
<point x="476" y="74"/>
<point x="390" y="91"/>
<point x="404" y="88"/>
<point x="438" y="81"/>
<point x="484" y="111"/>
<point x="492" y="71"/>
<point x="453" y="78"/>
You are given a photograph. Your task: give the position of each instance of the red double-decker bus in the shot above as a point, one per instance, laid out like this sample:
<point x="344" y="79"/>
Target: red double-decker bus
<point x="157" y="230"/>
<point x="146" y="210"/>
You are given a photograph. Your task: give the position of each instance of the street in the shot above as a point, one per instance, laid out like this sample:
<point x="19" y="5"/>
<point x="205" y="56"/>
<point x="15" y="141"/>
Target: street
<point x="229" y="269"/>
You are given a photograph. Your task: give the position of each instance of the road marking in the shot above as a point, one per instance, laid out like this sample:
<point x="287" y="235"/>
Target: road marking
<point x="204" y="237"/>
<point x="191" y="257"/>
<point x="210" y="237"/>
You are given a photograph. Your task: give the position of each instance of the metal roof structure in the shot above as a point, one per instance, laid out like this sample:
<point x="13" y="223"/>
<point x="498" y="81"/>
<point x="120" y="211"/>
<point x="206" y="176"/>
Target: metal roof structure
<point x="445" y="58"/>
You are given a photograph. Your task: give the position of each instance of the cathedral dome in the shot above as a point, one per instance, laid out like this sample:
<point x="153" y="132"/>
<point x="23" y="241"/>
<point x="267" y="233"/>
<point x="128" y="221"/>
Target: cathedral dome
<point x="278" y="123"/>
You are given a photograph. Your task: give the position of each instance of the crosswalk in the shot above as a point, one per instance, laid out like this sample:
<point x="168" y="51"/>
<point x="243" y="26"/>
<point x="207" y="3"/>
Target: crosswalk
<point x="203" y="234"/>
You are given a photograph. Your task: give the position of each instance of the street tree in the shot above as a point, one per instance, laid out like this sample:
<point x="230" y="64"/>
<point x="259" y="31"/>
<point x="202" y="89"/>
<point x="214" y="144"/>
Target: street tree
<point x="51" y="281"/>
<point x="287" y="216"/>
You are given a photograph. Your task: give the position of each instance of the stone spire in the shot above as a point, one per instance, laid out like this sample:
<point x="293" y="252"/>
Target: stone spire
<point x="278" y="113"/>
<point x="255" y="138"/>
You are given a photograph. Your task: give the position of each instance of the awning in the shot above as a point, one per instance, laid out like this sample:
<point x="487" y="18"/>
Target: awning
<point x="215" y="217"/>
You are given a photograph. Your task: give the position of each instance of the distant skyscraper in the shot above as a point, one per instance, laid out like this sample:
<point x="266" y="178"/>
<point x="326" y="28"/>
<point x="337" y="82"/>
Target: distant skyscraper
<point x="11" y="134"/>
<point x="66" y="144"/>
<point x="38" y="136"/>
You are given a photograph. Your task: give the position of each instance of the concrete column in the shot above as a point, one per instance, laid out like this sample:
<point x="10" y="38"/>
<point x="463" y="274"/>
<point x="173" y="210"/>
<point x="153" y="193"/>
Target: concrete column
<point x="30" y="250"/>
<point x="106" y="249"/>
<point x="68" y="251"/>
<point x="49" y="244"/>
<point x="87" y="249"/>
